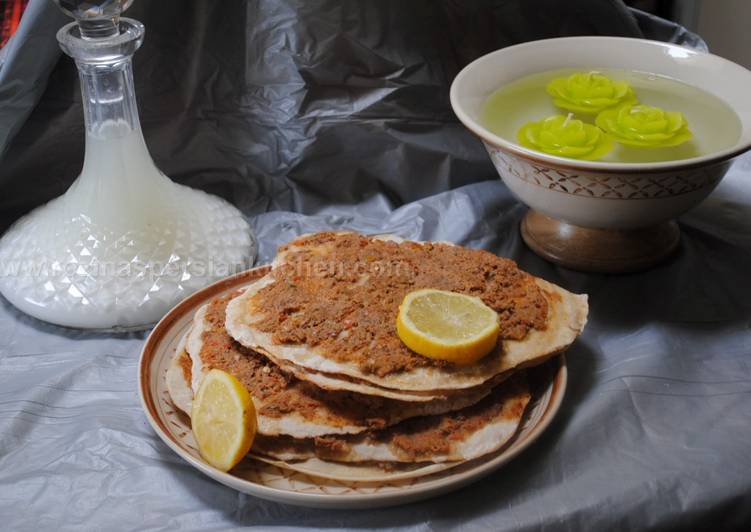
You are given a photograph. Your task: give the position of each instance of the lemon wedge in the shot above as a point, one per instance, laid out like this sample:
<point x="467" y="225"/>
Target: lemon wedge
<point x="447" y="326"/>
<point x="223" y="419"/>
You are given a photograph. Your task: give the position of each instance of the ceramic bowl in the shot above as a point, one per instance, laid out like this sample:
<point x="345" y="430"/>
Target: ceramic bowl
<point x="594" y="215"/>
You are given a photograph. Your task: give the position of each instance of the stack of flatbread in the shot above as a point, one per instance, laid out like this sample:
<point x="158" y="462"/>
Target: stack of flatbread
<point x="337" y="394"/>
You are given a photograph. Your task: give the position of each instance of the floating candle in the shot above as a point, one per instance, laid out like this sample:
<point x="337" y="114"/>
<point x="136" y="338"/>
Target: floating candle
<point x="589" y="92"/>
<point x="566" y="137"/>
<point x="644" y="126"/>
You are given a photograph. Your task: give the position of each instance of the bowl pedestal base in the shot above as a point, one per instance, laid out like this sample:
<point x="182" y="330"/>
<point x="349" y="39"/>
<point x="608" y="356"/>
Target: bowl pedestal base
<point x="599" y="250"/>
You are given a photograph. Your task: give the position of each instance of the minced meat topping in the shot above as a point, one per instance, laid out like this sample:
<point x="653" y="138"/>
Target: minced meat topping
<point x="341" y="293"/>
<point x="262" y="378"/>
<point x="417" y="439"/>
<point x="422" y="437"/>
<point x="280" y="393"/>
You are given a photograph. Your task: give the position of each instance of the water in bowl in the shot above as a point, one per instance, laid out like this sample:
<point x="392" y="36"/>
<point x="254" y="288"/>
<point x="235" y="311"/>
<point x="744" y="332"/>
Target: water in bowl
<point x="714" y="124"/>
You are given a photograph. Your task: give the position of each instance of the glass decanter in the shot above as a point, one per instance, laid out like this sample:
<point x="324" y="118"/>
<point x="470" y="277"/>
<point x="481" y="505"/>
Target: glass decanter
<point x="124" y="243"/>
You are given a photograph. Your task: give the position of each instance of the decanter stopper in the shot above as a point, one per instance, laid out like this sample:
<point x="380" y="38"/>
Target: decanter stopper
<point x="96" y="19"/>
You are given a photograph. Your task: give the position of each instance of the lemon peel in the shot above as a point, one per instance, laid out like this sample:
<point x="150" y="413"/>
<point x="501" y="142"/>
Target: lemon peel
<point x="223" y="419"/>
<point x="447" y="326"/>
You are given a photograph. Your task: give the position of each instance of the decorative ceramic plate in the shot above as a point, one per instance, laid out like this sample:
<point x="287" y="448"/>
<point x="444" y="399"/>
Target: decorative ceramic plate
<point x="267" y="481"/>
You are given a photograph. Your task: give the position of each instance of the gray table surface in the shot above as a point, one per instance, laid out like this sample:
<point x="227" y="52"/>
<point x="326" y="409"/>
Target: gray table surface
<point x="654" y="430"/>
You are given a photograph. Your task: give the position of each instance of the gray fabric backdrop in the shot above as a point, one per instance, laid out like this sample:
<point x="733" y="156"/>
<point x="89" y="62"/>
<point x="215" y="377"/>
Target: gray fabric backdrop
<point x="322" y="114"/>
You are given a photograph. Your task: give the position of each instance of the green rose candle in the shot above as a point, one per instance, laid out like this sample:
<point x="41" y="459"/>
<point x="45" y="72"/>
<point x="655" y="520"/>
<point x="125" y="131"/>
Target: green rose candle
<point x="644" y="126"/>
<point x="566" y="137"/>
<point x="589" y="92"/>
